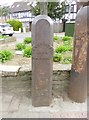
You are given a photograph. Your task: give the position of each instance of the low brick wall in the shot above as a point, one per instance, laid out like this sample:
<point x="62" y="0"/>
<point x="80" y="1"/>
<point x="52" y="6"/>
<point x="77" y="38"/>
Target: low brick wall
<point x="20" y="82"/>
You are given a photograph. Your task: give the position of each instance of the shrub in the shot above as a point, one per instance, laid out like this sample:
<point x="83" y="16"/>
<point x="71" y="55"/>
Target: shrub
<point x="20" y="46"/>
<point x="63" y="48"/>
<point x="3" y="37"/>
<point x="5" y="55"/>
<point x="67" y="42"/>
<point x="57" y="57"/>
<point x="27" y="51"/>
<point x="66" y="38"/>
<point x="16" y="24"/>
<point x="67" y="59"/>
<point x="28" y="40"/>
<point x="56" y="38"/>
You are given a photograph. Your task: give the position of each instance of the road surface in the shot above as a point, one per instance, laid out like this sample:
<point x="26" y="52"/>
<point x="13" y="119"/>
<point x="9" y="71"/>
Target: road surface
<point x="20" y="36"/>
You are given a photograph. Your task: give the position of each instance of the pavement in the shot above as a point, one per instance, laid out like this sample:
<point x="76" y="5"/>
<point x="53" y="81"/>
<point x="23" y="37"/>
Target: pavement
<point x="16" y="106"/>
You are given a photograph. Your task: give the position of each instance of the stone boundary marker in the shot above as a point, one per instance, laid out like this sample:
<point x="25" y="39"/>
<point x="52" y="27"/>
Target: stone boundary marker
<point x="42" y="63"/>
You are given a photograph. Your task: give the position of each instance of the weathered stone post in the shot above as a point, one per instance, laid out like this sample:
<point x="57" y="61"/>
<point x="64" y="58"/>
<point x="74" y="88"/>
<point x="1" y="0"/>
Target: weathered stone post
<point x="78" y="82"/>
<point x="42" y="63"/>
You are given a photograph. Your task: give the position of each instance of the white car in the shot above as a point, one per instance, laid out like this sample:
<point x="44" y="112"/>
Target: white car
<point x="6" y="29"/>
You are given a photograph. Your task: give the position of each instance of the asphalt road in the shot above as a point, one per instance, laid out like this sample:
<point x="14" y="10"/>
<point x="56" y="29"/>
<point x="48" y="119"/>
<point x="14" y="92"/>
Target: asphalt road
<point x="20" y="36"/>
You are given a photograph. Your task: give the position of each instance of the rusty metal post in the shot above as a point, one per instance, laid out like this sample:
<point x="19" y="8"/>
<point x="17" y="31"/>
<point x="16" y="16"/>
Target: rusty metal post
<point x="42" y="63"/>
<point x="78" y="82"/>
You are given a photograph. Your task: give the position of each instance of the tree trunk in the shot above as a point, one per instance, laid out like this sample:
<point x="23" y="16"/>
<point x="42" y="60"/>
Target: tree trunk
<point x="43" y="8"/>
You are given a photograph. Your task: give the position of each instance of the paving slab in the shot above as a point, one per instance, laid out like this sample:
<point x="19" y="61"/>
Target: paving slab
<point x="14" y="105"/>
<point x="7" y="69"/>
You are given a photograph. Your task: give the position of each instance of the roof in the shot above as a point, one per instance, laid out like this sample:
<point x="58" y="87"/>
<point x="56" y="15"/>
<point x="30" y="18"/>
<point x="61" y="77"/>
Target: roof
<point x="20" y="6"/>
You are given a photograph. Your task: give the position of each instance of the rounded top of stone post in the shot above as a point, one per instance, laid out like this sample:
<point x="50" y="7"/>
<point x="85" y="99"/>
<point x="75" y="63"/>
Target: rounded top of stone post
<point x="42" y="17"/>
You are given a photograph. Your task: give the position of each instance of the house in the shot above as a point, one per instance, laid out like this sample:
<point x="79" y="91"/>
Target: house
<point x="71" y="11"/>
<point x="22" y="11"/>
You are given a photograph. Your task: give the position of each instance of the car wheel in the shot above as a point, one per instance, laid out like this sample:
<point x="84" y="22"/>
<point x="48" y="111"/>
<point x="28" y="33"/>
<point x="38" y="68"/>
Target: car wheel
<point x="10" y="34"/>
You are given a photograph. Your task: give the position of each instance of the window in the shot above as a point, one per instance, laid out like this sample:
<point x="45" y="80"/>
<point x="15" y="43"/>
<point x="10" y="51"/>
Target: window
<point x="72" y="8"/>
<point x="28" y="3"/>
<point x="67" y="8"/>
<point x="17" y="6"/>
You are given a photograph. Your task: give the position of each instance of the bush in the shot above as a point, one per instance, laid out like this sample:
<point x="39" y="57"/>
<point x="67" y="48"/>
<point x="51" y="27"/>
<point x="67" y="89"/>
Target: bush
<point x="16" y="24"/>
<point x="56" y="38"/>
<point x="28" y="40"/>
<point x="3" y="37"/>
<point x="20" y="46"/>
<point x="57" y="57"/>
<point x="67" y="42"/>
<point x="67" y="59"/>
<point x="5" y="55"/>
<point x="63" y="48"/>
<point x="27" y="51"/>
<point x="66" y="38"/>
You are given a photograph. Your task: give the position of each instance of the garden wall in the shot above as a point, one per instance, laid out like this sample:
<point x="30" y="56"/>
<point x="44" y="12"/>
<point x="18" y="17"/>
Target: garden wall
<point x="19" y="82"/>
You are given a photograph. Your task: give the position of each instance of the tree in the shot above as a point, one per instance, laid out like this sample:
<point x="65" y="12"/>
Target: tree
<point x="16" y="24"/>
<point x="43" y="7"/>
<point x="55" y="9"/>
<point x="4" y="11"/>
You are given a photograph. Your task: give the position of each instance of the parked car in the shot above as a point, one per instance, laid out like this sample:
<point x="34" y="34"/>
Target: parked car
<point x="6" y="29"/>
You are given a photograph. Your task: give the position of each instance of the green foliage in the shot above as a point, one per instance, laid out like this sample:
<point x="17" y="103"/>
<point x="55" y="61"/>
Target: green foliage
<point x="27" y="51"/>
<point x="55" y="9"/>
<point x="28" y="40"/>
<point x="4" y="11"/>
<point x="66" y="38"/>
<point x="5" y="55"/>
<point x="67" y="59"/>
<point x="63" y="48"/>
<point x="20" y="46"/>
<point x="56" y="38"/>
<point x="36" y="9"/>
<point x="16" y="24"/>
<point x="67" y="42"/>
<point x="3" y="37"/>
<point x="57" y="57"/>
